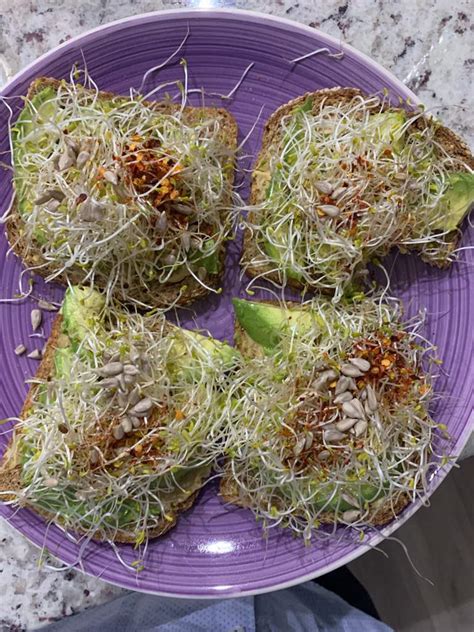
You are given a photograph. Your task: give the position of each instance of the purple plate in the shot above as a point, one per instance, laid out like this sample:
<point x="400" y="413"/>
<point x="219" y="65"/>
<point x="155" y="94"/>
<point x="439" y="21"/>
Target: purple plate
<point x="215" y="550"/>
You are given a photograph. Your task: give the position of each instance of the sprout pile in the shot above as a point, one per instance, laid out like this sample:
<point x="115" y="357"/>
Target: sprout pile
<point x="127" y="429"/>
<point x="333" y="425"/>
<point x="344" y="182"/>
<point x="121" y="194"/>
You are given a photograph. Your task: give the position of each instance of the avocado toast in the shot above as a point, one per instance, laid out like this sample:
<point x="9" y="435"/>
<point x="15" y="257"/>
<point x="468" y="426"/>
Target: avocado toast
<point x="131" y="196"/>
<point x="343" y="177"/>
<point x="332" y="422"/>
<point x="122" y="424"/>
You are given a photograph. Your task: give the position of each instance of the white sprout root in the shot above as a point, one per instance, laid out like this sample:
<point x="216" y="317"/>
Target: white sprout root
<point x="342" y="185"/>
<point x="146" y="200"/>
<point x="284" y="459"/>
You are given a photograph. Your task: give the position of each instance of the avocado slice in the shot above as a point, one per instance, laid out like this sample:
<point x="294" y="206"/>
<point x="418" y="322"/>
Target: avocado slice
<point x="81" y="311"/>
<point x="40" y="108"/>
<point x="455" y="203"/>
<point x="189" y="363"/>
<point x="265" y="323"/>
<point x="388" y="128"/>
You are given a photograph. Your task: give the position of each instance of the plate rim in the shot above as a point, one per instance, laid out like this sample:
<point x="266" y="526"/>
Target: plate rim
<point x="259" y="17"/>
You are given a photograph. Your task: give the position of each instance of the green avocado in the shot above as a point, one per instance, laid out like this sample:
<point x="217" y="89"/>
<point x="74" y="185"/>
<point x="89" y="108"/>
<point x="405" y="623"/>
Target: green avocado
<point x="266" y="323"/>
<point x="40" y="108"/>
<point x="81" y="310"/>
<point x="455" y="203"/>
<point x="388" y="128"/>
<point x="188" y="362"/>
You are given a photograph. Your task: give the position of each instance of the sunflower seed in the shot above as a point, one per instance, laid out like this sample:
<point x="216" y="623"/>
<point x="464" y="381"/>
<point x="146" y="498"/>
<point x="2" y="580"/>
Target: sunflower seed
<point x="162" y="223"/>
<point x="36" y="318"/>
<point x="94" y="457"/>
<point x="143" y="407"/>
<point x="342" y="385"/>
<point x="320" y="383"/>
<point x="353" y="409"/>
<point x="20" y="350"/>
<point x="49" y="194"/>
<point x="343" y="397"/>
<point x="360" y="427"/>
<point x="127" y="425"/>
<point x="122" y="382"/>
<point x="183" y="209"/>
<point x="111" y="369"/>
<point x="53" y="206"/>
<point x="91" y="211"/>
<point x="134" y="396"/>
<point x="66" y="160"/>
<point x="121" y="397"/>
<point x="338" y="193"/>
<point x="363" y="395"/>
<point x="350" y="515"/>
<point x="37" y="354"/>
<point x="136" y="422"/>
<point x="345" y="424"/>
<point x="72" y="144"/>
<point x="323" y="187"/>
<point x="186" y="241"/>
<point x="372" y="402"/>
<point x="350" y="370"/>
<point x="46" y="306"/>
<point x="130" y="369"/>
<point x="333" y="435"/>
<point x="324" y="455"/>
<point x="329" y="210"/>
<point x="361" y="364"/>
<point x="299" y="446"/>
<point x="51" y="482"/>
<point x="169" y="260"/>
<point x="111" y="177"/>
<point x="128" y="379"/>
<point x="309" y="440"/>
<point x="109" y="382"/>
<point x="118" y="433"/>
<point x="82" y="158"/>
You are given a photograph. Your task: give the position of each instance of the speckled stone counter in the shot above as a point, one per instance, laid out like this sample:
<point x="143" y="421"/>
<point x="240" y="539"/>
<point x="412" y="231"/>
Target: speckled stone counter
<point x="426" y="43"/>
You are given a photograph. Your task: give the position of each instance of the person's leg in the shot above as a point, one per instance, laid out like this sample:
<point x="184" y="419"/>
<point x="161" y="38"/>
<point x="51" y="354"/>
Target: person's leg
<point x="343" y="583"/>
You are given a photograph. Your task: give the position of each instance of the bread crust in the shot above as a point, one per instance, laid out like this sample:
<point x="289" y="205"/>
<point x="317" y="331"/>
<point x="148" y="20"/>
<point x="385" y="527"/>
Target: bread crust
<point x="158" y="295"/>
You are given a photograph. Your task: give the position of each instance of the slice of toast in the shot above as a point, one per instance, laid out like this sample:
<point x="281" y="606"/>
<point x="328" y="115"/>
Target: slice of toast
<point x="231" y="492"/>
<point x="10" y="468"/>
<point x="251" y="258"/>
<point x="157" y="294"/>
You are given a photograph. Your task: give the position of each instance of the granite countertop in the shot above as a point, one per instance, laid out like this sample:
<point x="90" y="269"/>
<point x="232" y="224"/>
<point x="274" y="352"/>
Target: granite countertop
<point x="426" y="43"/>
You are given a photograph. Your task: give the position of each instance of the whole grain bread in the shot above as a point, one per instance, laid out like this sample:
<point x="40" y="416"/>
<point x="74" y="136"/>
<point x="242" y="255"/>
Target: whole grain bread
<point x="157" y="295"/>
<point x="445" y="137"/>
<point x="10" y="468"/>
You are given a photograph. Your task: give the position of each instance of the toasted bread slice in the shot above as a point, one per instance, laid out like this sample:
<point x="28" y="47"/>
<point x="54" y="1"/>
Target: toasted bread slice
<point x="251" y="258"/>
<point x="232" y="492"/>
<point x="10" y="468"/>
<point x="156" y="294"/>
